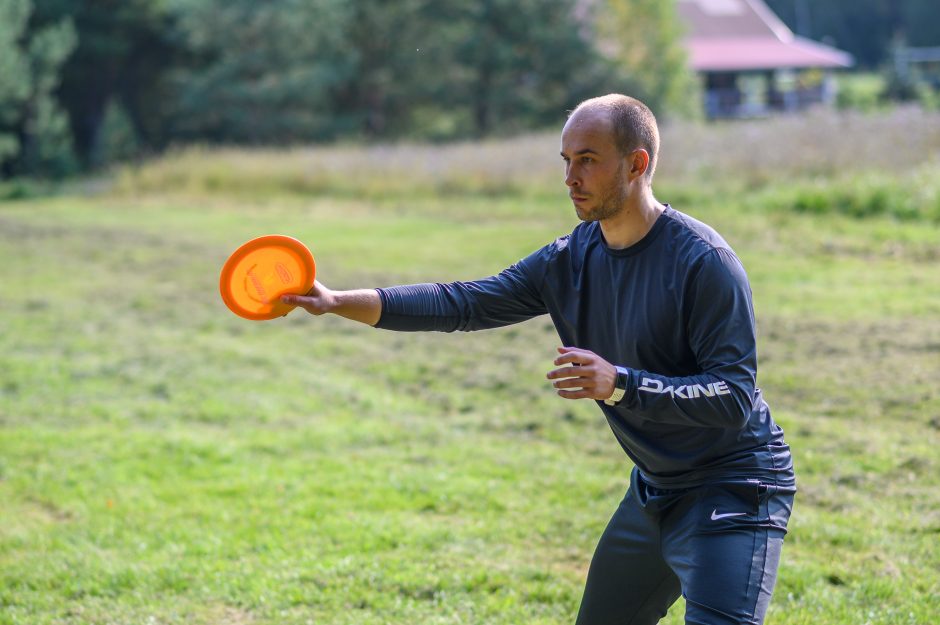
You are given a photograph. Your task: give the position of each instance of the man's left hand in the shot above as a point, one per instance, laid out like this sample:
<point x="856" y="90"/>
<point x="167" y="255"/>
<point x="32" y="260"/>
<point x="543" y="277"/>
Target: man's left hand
<point x="588" y="377"/>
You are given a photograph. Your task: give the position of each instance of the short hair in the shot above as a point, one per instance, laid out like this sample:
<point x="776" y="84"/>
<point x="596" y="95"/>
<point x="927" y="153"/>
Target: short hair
<point x="634" y="124"/>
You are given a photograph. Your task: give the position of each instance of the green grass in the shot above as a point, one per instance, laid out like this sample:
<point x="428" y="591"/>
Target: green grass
<point x="163" y="461"/>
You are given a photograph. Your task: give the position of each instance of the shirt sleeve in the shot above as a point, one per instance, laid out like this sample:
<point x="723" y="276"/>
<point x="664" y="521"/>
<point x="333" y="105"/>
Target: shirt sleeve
<point x="512" y="296"/>
<point x="719" y="319"/>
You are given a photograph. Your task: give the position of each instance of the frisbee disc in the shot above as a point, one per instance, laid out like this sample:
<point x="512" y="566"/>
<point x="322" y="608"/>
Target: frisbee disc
<point x="259" y="272"/>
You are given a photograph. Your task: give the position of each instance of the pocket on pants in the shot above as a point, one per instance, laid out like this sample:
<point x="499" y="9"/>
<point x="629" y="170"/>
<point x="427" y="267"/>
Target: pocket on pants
<point x="746" y="504"/>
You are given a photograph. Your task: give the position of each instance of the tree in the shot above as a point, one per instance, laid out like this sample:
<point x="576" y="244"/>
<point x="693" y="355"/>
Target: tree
<point x="34" y="133"/>
<point x="393" y="69"/>
<point x="865" y="28"/>
<point x="921" y="22"/>
<point x="644" y="38"/>
<point x="14" y="74"/>
<point x="147" y="73"/>
<point x="292" y="70"/>
<point x="123" y="51"/>
<point x="514" y="64"/>
<point x="261" y="72"/>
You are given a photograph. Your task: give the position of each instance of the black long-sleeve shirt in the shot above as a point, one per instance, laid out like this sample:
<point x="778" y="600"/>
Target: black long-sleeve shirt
<point x="674" y="308"/>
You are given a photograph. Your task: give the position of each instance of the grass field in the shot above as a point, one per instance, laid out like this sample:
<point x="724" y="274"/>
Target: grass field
<point x="163" y="461"/>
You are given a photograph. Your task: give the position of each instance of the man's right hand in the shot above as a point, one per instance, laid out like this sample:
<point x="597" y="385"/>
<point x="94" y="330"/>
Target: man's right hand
<point x="317" y="301"/>
<point x="362" y="305"/>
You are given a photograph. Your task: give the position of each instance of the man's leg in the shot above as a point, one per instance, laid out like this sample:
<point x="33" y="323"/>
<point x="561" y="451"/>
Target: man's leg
<point x="629" y="583"/>
<point x="724" y="544"/>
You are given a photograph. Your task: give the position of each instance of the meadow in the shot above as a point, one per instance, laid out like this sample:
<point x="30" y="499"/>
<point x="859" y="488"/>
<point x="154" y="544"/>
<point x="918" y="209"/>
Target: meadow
<point x="163" y="461"/>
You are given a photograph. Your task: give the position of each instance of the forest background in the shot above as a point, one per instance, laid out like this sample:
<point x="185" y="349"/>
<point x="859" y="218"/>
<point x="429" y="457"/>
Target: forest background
<point x="85" y="83"/>
<point x="163" y="461"/>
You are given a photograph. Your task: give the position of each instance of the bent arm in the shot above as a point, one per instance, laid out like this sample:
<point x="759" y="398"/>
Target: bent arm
<point x="701" y="400"/>
<point x="721" y="329"/>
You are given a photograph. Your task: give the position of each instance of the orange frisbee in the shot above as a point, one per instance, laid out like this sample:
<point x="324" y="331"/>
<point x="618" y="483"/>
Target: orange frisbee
<point x="257" y="274"/>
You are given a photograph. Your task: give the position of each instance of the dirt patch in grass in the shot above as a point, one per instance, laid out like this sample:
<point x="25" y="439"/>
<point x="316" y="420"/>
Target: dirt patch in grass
<point x="228" y="615"/>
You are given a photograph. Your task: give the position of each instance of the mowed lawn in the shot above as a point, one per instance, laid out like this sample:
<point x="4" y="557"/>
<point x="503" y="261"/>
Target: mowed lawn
<point x="164" y="461"/>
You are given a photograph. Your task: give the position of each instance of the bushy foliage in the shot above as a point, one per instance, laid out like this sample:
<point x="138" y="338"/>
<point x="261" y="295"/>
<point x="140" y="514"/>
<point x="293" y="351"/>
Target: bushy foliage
<point x="294" y="71"/>
<point x="148" y="74"/>
<point x="868" y="29"/>
<point x="289" y="71"/>
<point x="14" y="74"/>
<point x="915" y="197"/>
<point x="118" y="140"/>
<point x="34" y="133"/>
<point x="861" y="92"/>
<point x="644" y="39"/>
<point x="260" y="73"/>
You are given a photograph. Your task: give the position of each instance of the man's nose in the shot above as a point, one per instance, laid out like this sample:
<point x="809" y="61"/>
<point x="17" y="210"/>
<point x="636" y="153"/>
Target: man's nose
<point x="570" y="179"/>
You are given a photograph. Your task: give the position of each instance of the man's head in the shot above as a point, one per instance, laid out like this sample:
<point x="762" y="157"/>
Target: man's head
<point x="610" y="145"/>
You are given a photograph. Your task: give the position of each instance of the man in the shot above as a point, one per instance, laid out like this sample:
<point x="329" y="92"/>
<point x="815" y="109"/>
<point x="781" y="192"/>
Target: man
<point x="654" y="311"/>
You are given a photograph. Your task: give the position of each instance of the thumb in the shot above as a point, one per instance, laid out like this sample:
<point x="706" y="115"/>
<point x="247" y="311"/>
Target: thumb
<point x="298" y="299"/>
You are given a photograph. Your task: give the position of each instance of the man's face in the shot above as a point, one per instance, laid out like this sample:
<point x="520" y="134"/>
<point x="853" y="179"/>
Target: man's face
<point x="594" y="167"/>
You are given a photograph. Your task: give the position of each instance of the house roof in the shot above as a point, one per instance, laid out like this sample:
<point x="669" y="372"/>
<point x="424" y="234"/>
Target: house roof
<point x="736" y="35"/>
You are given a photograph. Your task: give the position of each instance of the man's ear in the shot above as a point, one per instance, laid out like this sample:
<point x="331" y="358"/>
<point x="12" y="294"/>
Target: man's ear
<point x="639" y="162"/>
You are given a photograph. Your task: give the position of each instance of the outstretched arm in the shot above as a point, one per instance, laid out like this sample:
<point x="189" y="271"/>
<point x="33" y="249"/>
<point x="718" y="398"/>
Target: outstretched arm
<point x="487" y="303"/>
<point x="499" y="300"/>
<point x="362" y="305"/>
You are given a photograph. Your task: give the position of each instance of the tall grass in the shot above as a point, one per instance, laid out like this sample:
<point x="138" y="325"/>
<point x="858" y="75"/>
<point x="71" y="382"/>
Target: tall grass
<point x="899" y="143"/>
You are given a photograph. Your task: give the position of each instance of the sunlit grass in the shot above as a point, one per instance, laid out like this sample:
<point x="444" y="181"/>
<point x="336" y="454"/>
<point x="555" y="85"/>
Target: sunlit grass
<point x="164" y="461"/>
<point x="706" y="159"/>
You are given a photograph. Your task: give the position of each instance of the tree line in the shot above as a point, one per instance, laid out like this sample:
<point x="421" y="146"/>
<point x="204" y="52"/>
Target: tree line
<point x="868" y="29"/>
<point x="87" y="82"/>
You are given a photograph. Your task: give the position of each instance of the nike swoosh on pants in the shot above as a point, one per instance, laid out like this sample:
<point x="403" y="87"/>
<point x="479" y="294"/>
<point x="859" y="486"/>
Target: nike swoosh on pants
<point x="716" y="516"/>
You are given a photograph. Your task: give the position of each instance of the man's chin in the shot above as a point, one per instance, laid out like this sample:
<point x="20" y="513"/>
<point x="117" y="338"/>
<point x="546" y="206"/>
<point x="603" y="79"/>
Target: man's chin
<point x="583" y="213"/>
<point x="586" y="214"/>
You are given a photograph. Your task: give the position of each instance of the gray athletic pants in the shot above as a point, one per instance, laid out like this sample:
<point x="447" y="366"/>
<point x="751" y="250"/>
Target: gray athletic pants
<point x="717" y="545"/>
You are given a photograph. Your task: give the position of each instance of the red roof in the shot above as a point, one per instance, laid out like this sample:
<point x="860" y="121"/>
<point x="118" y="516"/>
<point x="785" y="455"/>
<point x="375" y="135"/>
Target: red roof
<point x="736" y="35"/>
<point x="762" y="53"/>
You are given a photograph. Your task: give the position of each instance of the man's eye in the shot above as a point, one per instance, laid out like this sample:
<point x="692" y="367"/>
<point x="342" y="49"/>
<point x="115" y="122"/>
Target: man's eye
<point x="587" y="159"/>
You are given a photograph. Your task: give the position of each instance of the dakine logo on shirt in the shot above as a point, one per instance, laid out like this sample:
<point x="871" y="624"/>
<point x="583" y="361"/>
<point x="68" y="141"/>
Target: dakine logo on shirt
<point x="693" y="391"/>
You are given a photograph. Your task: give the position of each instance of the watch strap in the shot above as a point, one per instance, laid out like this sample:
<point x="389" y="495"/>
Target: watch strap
<point x="620" y="386"/>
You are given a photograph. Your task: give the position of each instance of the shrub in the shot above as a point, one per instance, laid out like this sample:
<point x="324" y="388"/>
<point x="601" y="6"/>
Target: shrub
<point x="912" y="197"/>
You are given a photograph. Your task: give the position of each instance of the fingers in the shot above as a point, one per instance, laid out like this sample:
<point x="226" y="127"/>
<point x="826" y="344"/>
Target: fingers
<point x="298" y="300"/>
<point x="576" y="356"/>
<point x="580" y="382"/>
<point x="569" y="372"/>
<point x="568" y="378"/>
<point x="579" y="357"/>
<point x="313" y="305"/>
<point x="582" y="394"/>
<point x="582" y="364"/>
<point x="579" y="375"/>
<point x="585" y="376"/>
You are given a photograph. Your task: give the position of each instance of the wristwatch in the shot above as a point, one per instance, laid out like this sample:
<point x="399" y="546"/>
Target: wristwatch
<point x="620" y="387"/>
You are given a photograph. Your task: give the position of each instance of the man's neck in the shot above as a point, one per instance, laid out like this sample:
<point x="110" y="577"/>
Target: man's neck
<point x="632" y="223"/>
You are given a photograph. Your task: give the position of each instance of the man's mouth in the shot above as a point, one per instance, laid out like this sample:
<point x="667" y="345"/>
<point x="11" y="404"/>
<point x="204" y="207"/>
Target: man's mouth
<point x="577" y="198"/>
